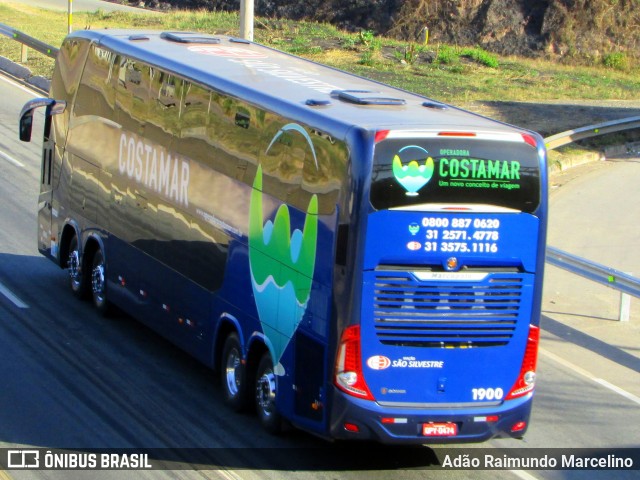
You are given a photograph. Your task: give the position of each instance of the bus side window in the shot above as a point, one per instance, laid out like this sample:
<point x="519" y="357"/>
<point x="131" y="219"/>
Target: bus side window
<point x="95" y="93"/>
<point x="282" y="155"/>
<point x="164" y="105"/>
<point x="132" y="94"/>
<point x="325" y="170"/>
<point x="64" y="83"/>
<point x="232" y="135"/>
<point x="192" y="139"/>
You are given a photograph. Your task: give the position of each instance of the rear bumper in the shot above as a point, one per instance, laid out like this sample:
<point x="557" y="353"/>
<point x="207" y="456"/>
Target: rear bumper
<point x="472" y="425"/>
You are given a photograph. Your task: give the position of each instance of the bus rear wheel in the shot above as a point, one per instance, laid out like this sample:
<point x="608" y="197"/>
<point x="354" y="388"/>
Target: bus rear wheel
<point x="234" y="374"/>
<point x="98" y="283"/>
<point x="265" y="390"/>
<point x="77" y="281"/>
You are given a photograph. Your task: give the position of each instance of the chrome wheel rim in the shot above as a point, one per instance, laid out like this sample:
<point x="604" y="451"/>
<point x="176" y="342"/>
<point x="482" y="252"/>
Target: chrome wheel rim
<point x="74" y="269"/>
<point x="232" y="372"/>
<point x="266" y="392"/>
<point x="97" y="283"/>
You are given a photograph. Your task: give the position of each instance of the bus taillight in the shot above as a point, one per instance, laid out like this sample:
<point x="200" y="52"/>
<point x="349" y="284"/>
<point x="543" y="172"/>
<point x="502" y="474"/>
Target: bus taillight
<point x="381" y="135"/>
<point x="348" y="376"/>
<point x="526" y="379"/>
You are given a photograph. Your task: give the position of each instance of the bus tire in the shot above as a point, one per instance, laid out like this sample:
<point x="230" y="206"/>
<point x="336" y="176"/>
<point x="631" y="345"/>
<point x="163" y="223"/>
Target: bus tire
<point x="234" y="374"/>
<point x="77" y="281"/>
<point x="265" y="395"/>
<point x="99" y="284"/>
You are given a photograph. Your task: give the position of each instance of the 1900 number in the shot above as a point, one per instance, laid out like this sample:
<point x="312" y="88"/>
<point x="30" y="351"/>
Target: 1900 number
<point x="487" y="393"/>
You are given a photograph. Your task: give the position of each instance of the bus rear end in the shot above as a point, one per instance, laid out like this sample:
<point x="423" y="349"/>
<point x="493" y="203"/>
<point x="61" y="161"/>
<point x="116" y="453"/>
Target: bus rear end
<point x="445" y="346"/>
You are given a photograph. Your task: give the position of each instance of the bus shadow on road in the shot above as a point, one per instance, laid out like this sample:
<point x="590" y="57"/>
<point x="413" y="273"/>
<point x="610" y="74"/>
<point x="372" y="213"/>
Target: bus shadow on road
<point x="596" y="345"/>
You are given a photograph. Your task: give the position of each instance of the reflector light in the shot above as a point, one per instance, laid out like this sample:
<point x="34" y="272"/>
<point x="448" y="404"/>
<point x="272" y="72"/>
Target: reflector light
<point x="519" y="426"/>
<point x="526" y="378"/>
<point x="488" y="419"/>
<point x="348" y="373"/>
<point x="381" y="135"/>
<point x="351" y="427"/>
<point x="389" y="420"/>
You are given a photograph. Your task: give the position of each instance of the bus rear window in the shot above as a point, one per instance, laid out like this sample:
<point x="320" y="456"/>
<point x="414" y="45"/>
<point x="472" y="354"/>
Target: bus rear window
<point x="456" y="170"/>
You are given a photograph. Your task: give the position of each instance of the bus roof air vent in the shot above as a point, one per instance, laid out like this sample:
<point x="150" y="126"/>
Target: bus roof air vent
<point x="313" y="102"/>
<point x="138" y="38"/>
<point x="435" y="105"/>
<point x="186" y="37"/>
<point x="239" y="40"/>
<point x="366" y="97"/>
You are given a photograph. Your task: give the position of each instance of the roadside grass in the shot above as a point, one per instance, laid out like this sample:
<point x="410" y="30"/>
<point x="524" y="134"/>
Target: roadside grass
<point x="443" y="72"/>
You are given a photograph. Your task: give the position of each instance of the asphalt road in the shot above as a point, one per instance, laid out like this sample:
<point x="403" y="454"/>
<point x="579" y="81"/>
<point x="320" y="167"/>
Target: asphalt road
<point x="71" y="379"/>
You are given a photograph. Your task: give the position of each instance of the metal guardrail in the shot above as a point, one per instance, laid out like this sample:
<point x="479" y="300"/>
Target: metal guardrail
<point x="28" y="42"/>
<point x="570" y="136"/>
<point x="610" y="277"/>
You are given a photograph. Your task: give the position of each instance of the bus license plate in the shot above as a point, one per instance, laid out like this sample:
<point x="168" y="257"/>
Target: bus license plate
<point x="448" y="429"/>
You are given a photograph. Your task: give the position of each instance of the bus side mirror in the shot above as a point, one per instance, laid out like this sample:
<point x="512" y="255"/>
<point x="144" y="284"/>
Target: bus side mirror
<point x="26" y="125"/>
<point x="26" y="115"/>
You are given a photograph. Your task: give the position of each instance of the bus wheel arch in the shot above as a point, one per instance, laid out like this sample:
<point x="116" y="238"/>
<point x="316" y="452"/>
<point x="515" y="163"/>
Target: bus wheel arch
<point x="65" y="244"/>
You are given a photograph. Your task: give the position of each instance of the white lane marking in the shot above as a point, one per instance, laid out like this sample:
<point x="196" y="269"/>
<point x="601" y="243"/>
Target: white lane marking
<point x="12" y="160"/>
<point x="618" y="390"/>
<point x="584" y="373"/>
<point x="13" y="298"/>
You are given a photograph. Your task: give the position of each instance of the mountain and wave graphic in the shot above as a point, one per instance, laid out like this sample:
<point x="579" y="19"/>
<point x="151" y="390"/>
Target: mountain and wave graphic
<point x="282" y="266"/>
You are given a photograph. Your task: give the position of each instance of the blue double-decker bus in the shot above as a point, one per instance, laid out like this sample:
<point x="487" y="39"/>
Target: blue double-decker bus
<point x="355" y="259"/>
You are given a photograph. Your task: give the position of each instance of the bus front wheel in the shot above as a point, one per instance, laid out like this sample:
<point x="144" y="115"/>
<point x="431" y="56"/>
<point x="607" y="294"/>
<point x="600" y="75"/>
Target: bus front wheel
<point x="234" y="374"/>
<point x="266" y="395"/>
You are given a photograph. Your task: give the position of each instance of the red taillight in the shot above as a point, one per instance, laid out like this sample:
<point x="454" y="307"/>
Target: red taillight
<point x="348" y="375"/>
<point x="530" y="139"/>
<point x="381" y="135"/>
<point x="526" y="378"/>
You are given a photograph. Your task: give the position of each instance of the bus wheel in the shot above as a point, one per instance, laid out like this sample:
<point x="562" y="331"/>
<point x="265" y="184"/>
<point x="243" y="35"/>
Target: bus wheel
<point x="234" y="374"/>
<point x="98" y="283"/>
<point x="77" y="282"/>
<point x="266" y="395"/>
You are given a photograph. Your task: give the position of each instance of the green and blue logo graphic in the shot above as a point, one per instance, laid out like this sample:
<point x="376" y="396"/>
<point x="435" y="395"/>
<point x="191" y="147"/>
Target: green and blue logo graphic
<point x="282" y="267"/>
<point x="412" y="176"/>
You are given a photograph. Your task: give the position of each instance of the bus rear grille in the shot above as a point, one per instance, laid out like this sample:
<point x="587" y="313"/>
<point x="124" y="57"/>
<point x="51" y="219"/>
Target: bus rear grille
<point x="408" y="312"/>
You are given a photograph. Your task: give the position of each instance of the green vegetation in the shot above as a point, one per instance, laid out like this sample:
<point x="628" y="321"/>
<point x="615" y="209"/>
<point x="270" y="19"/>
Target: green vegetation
<point x="443" y="72"/>
<point x="617" y="60"/>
